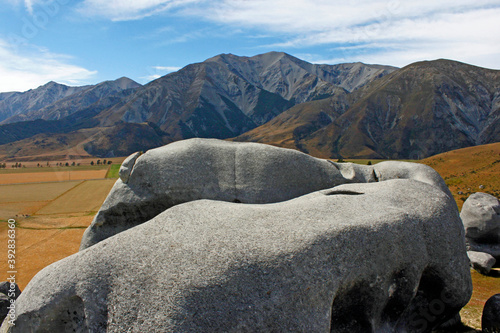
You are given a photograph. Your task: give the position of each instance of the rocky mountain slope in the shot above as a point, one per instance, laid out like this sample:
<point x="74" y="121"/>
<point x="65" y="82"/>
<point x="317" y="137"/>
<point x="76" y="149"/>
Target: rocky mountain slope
<point x="221" y="97"/>
<point x="346" y="110"/>
<point x="17" y="103"/>
<point x="55" y="101"/>
<point x="418" y="111"/>
<point x="228" y="95"/>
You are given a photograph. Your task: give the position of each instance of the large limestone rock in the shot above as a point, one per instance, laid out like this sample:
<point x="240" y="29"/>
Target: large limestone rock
<point x="229" y="171"/>
<point x="481" y="217"/>
<point x="377" y="257"/>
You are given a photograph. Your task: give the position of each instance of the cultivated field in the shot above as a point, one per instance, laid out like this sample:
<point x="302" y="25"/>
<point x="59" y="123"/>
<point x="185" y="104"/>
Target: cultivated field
<point x="40" y="242"/>
<point x="86" y="197"/>
<point x="52" y="209"/>
<point x="41" y="177"/>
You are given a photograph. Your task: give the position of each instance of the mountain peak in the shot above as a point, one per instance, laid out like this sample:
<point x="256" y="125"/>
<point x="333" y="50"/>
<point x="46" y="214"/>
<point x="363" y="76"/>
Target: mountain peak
<point x="266" y="57"/>
<point x="51" y="84"/>
<point x="126" y="83"/>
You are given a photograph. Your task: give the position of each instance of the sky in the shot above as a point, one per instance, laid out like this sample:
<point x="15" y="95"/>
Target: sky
<point x="90" y="41"/>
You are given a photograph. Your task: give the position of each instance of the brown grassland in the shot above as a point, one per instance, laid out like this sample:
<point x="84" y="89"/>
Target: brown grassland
<point x="51" y="215"/>
<point x="40" y="177"/>
<point x="61" y="203"/>
<point x="469" y="170"/>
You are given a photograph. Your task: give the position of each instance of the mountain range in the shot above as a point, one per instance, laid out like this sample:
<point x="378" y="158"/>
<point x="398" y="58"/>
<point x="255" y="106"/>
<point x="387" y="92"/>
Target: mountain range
<point x="344" y="110"/>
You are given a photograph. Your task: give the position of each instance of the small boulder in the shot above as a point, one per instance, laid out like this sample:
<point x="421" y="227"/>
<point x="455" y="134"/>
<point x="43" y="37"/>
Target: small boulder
<point x="11" y="289"/>
<point x="4" y="304"/>
<point x="481" y="218"/>
<point x="481" y="261"/>
<point x="490" y="320"/>
<point x="8" y="293"/>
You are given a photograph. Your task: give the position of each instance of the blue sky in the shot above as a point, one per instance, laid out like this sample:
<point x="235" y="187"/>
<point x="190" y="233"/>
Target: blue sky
<point x="89" y="41"/>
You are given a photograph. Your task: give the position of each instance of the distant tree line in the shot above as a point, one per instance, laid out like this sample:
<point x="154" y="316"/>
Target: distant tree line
<point x="98" y="162"/>
<point x="58" y="164"/>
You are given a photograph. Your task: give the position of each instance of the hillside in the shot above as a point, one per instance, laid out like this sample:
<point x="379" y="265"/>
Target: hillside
<point x="117" y="140"/>
<point x="17" y="103"/>
<point x="55" y="101"/>
<point x="418" y="111"/>
<point x="221" y="97"/>
<point x="469" y="170"/>
<point x="331" y="111"/>
<point x="228" y="95"/>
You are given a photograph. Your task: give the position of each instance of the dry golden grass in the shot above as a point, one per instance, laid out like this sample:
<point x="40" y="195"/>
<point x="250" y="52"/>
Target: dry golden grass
<point x="13" y="209"/>
<point x="58" y="176"/>
<point x="484" y="288"/>
<point x="465" y="170"/>
<point x="60" y="213"/>
<point x="41" y="242"/>
<point x="88" y="196"/>
<point x="34" y="192"/>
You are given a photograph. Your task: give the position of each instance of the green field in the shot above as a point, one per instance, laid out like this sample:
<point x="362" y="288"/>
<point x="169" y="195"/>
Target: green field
<point x="113" y="171"/>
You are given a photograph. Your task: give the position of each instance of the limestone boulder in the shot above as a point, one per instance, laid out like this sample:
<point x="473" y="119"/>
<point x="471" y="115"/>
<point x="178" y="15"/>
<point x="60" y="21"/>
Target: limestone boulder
<point x="8" y="293"/>
<point x="376" y="257"/>
<point x="255" y="173"/>
<point x="481" y="261"/>
<point x="490" y="320"/>
<point x="481" y="218"/>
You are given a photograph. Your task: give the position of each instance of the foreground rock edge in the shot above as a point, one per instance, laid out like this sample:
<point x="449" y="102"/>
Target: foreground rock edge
<point x="391" y="254"/>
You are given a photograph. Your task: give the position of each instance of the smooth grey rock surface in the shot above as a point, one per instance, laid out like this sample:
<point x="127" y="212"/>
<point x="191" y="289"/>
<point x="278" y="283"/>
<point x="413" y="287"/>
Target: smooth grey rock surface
<point x="490" y="321"/>
<point x="195" y="169"/>
<point x="127" y="166"/>
<point x="481" y="218"/>
<point x="481" y="261"/>
<point x="377" y="257"/>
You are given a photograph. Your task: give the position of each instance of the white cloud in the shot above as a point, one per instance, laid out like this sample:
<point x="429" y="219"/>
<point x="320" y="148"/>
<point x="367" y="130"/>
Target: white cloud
<point x="28" y="4"/>
<point x="31" y="67"/>
<point x="460" y="36"/>
<point x="389" y="31"/>
<point x="166" y="69"/>
<point x="155" y="72"/>
<point x="307" y="16"/>
<point x="122" y="10"/>
<point x="458" y="29"/>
